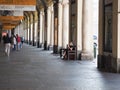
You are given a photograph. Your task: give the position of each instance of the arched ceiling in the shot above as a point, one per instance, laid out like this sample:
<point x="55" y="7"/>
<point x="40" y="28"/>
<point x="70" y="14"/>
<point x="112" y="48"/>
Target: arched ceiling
<point x="44" y="3"/>
<point x="7" y="17"/>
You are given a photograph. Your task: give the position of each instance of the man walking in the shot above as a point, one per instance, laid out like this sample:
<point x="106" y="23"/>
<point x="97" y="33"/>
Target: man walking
<point x="7" y="42"/>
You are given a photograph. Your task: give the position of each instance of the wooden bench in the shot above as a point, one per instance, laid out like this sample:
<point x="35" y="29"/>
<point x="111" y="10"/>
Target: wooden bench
<point x="72" y="54"/>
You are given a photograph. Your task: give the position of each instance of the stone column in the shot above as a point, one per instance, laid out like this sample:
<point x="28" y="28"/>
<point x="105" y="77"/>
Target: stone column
<point x="38" y="30"/>
<point x="25" y="38"/>
<point x="41" y="28"/>
<point x="52" y="27"/>
<point x="65" y="37"/>
<point x="28" y="31"/>
<point x="87" y="36"/>
<point x="25" y="29"/>
<point x="118" y="31"/>
<point x="117" y="46"/>
<point x="33" y="29"/>
<point x="55" y="46"/>
<point x="60" y="23"/>
<point x="45" y="29"/>
<point x="79" y="26"/>
<point x="48" y="26"/>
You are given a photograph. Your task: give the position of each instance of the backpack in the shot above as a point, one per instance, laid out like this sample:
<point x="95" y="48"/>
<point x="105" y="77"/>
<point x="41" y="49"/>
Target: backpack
<point x="18" y="39"/>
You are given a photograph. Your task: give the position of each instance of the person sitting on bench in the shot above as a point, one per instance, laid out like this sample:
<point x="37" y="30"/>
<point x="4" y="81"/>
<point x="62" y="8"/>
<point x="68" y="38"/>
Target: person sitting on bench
<point x="69" y="47"/>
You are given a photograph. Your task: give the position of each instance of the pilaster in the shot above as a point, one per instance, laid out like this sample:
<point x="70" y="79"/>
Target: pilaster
<point x="87" y="35"/>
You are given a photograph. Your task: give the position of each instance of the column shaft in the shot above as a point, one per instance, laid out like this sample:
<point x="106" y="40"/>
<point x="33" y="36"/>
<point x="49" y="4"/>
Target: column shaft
<point x="65" y="37"/>
<point x="41" y="27"/>
<point x="60" y="27"/>
<point x="87" y="36"/>
<point x="52" y="27"/>
<point x="48" y="25"/>
<point x="38" y="31"/>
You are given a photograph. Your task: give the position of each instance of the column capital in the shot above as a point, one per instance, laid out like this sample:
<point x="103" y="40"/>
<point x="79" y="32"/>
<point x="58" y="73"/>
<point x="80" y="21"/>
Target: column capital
<point x="65" y="2"/>
<point x="60" y="2"/>
<point x="48" y="8"/>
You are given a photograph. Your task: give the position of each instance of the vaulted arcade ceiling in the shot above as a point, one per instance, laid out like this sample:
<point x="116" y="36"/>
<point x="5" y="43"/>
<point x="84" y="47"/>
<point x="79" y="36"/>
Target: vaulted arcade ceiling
<point x="12" y="11"/>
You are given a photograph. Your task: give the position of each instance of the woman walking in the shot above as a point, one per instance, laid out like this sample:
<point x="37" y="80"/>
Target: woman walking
<point x="7" y="42"/>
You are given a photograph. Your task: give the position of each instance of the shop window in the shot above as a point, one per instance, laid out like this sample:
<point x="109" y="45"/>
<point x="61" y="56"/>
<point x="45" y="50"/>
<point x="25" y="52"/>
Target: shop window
<point x="108" y="28"/>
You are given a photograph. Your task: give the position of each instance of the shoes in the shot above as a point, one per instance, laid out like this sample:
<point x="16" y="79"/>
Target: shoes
<point x="62" y="57"/>
<point x="6" y="54"/>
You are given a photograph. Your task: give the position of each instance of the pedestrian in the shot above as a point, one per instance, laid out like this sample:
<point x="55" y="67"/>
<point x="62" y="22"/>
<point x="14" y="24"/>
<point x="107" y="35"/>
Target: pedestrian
<point x="65" y="51"/>
<point x="22" y="40"/>
<point x="7" y="42"/>
<point x="14" y="42"/>
<point x="18" y="39"/>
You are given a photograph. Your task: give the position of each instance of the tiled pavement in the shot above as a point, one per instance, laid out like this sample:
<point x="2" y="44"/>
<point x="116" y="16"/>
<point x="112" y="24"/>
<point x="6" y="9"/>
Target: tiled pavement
<point x="32" y="68"/>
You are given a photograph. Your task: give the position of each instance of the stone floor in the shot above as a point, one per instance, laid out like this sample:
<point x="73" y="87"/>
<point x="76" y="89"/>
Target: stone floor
<point x="32" y="68"/>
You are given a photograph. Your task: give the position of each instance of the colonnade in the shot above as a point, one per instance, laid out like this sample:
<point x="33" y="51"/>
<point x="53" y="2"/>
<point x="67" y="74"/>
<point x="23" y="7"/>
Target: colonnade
<point x="72" y="20"/>
<point x="53" y="26"/>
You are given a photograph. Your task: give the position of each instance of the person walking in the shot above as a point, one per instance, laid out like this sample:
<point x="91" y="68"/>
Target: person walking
<point x="18" y="39"/>
<point x="14" y="42"/>
<point x="22" y="40"/>
<point x="7" y="42"/>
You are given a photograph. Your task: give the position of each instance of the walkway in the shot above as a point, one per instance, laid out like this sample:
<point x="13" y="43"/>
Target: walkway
<point x="35" y="69"/>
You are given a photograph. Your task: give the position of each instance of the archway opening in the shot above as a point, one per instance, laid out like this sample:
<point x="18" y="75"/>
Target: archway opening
<point x="95" y="27"/>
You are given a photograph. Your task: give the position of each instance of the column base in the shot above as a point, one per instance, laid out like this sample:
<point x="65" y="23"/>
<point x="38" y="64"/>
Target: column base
<point x="41" y="45"/>
<point x="30" y="42"/>
<point x="86" y="56"/>
<point x="50" y="47"/>
<point x="45" y="46"/>
<point x="34" y="43"/>
<point x="55" y="49"/>
<point x="79" y="55"/>
<point x="38" y="44"/>
<point x="26" y="41"/>
<point x="108" y="63"/>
